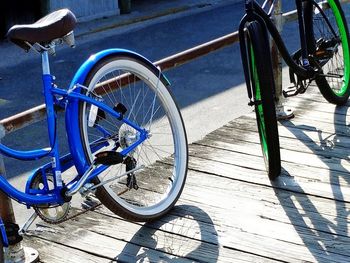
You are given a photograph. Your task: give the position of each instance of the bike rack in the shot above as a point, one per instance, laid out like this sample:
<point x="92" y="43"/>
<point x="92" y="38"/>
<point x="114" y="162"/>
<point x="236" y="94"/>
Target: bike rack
<point x="282" y="112"/>
<point x="38" y="113"/>
<point x="15" y="252"/>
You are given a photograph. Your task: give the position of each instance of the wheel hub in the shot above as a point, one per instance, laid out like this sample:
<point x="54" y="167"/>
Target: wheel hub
<point x="127" y="136"/>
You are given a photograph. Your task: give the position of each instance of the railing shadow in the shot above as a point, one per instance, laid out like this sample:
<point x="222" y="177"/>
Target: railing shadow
<point x="182" y="236"/>
<point x="323" y="234"/>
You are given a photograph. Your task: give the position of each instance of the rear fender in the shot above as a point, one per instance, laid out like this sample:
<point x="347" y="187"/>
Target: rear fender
<point x="72" y="108"/>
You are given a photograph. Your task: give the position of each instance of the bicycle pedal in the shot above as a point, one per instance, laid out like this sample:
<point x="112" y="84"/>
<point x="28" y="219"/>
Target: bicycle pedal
<point x="108" y="158"/>
<point x="89" y="202"/>
<point x="290" y="92"/>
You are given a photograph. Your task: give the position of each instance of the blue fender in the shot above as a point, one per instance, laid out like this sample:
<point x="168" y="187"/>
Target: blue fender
<point x="72" y="108"/>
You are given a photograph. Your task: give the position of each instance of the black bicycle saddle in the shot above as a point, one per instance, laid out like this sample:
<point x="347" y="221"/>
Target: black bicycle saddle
<point x="54" y="25"/>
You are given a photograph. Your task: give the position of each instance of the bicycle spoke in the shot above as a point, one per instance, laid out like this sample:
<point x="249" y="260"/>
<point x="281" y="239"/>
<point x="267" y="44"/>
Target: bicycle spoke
<point x="149" y="106"/>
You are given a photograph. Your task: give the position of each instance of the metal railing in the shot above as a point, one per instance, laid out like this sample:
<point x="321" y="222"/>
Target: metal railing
<point x="38" y="113"/>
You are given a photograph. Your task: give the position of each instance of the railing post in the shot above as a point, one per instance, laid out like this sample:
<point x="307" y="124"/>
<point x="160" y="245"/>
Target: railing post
<point x="15" y="253"/>
<point x="282" y="112"/>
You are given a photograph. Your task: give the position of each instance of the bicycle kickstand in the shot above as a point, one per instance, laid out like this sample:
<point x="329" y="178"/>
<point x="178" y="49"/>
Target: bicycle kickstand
<point x="27" y="224"/>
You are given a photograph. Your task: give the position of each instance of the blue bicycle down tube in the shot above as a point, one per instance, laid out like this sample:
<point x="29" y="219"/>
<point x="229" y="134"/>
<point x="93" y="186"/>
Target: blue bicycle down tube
<point x="3" y="236"/>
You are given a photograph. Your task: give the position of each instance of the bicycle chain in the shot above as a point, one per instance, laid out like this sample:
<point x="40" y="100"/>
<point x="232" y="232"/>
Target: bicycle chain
<point x="65" y="217"/>
<point x="82" y="212"/>
<point x="56" y="222"/>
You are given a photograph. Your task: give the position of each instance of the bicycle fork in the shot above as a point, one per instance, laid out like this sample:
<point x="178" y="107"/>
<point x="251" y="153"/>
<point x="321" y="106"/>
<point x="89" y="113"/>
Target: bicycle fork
<point x="243" y="48"/>
<point x="248" y="17"/>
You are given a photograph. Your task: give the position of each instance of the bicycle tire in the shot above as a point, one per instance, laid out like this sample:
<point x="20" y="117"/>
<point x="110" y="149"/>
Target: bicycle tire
<point x="334" y="82"/>
<point x="262" y="83"/>
<point x="164" y="155"/>
<point x="1" y="250"/>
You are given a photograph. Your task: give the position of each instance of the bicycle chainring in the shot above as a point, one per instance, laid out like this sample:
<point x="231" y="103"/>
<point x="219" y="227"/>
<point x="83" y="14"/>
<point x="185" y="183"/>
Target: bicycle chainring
<point x="300" y="83"/>
<point x="49" y="214"/>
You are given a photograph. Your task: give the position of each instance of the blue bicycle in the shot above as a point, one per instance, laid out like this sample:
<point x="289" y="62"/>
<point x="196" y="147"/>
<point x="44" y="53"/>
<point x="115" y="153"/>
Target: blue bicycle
<point x="126" y="135"/>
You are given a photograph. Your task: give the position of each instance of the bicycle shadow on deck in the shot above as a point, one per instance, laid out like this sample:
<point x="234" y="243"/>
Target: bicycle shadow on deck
<point x="324" y="236"/>
<point x="187" y="234"/>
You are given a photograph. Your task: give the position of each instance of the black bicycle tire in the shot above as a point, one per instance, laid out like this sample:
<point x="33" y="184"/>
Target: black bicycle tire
<point x="1" y="251"/>
<point x="101" y="192"/>
<point x="321" y="81"/>
<point x="265" y="110"/>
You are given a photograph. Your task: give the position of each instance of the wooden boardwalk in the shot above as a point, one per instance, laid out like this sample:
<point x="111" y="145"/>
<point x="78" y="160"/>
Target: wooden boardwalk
<point x="229" y="210"/>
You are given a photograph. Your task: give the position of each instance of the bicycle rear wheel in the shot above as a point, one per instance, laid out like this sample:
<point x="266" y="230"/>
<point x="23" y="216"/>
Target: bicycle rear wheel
<point x="328" y="42"/>
<point x="160" y="161"/>
<point x="262" y="83"/>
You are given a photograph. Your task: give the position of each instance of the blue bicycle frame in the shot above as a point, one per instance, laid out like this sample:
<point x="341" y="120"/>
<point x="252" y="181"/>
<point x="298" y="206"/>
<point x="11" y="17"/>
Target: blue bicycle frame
<point x="70" y="100"/>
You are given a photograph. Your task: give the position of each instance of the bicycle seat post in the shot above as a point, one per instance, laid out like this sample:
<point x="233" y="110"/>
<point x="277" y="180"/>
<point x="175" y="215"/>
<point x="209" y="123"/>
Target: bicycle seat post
<point x="45" y="62"/>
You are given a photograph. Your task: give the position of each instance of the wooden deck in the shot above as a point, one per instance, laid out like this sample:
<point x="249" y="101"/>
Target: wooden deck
<point x="229" y="210"/>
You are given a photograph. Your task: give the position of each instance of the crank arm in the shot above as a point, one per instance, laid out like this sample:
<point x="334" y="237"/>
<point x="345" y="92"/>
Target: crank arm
<point x="338" y="76"/>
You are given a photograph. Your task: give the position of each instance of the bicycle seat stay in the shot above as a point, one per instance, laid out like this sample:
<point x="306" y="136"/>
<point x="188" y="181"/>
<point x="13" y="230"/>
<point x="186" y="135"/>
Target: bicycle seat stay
<point x="54" y="25"/>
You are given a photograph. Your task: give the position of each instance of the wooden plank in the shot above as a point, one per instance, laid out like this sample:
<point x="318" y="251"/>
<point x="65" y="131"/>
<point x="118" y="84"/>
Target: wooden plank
<point x="163" y="240"/>
<point x="305" y="104"/>
<point x="296" y="139"/>
<point x="301" y="158"/>
<point x="52" y="252"/>
<point x="303" y="132"/>
<point x="238" y="234"/>
<point x="244" y="240"/>
<point x="248" y="122"/>
<point x="257" y="181"/>
<point x="331" y="150"/>
<point x="264" y="203"/>
<point x="338" y="117"/>
<point x="220" y="200"/>
<point x="289" y="181"/>
<point x="313" y="101"/>
<point x="229" y="210"/>
<point x="313" y="93"/>
<point x="223" y="191"/>
<point x="250" y="146"/>
<point x="247" y="213"/>
<point x="236" y="142"/>
<point x="321" y="178"/>
<point x="106" y="246"/>
<point x="306" y="138"/>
